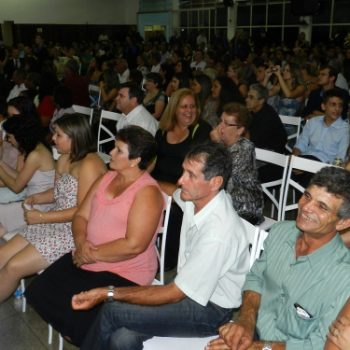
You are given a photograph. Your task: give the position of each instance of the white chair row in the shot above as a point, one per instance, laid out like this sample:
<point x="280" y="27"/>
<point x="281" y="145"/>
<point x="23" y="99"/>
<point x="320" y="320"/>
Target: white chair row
<point x="278" y="191"/>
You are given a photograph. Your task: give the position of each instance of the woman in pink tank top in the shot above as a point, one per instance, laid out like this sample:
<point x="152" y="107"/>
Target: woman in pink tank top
<point x="114" y="232"/>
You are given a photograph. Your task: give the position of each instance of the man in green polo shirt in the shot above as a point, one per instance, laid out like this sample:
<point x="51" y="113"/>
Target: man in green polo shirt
<point x="296" y="289"/>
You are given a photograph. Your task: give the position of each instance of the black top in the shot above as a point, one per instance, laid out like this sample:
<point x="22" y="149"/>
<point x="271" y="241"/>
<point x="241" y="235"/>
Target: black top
<point x="170" y="156"/>
<point x="316" y="98"/>
<point x="267" y="130"/>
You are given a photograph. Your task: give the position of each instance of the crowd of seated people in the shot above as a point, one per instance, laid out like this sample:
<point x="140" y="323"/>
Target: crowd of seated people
<point x="186" y="95"/>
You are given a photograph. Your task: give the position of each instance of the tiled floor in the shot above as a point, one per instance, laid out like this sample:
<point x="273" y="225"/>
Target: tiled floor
<point x="27" y="331"/>
<point x="24" y="331"/>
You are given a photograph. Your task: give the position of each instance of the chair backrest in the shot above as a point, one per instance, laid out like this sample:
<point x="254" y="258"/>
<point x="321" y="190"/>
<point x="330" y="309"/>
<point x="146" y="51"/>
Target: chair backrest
<point x="293" y="121"/>
<point x="104" y="134"/>
<point x="270" y="187"/>
<point x="84" y="110"/>
<point x="95" y="95"/>
<point x="303" y="164"/>
<point x="252" y="233"/>
<point x="161" y="240"/>
<point x="260" y="243"/>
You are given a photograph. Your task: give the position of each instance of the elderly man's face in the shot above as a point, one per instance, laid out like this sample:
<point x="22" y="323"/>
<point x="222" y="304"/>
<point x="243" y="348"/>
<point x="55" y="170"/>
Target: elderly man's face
<point x="318" y="212"/>
<point x="253" y="103"/>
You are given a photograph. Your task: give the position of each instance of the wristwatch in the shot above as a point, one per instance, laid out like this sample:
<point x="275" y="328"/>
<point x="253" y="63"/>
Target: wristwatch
<point x="267" y="346"/>
<point x="110" y="293"/>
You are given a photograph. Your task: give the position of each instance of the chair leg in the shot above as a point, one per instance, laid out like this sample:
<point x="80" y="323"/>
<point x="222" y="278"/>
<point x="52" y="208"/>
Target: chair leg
<point x="49" y="337"/>
<point x="60" y="344"/>
<point x="24" y="300"/>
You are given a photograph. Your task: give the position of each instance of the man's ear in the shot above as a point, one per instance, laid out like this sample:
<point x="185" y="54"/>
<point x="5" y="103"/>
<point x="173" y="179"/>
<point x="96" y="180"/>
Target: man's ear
<point x="216" y="183"/>
<point x="342" y="224"/>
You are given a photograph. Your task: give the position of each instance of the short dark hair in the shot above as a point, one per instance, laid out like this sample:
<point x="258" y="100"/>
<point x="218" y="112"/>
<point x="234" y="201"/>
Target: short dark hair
<point x="332" y="72"/>
<point x="140" y="143"/>
<point x="332" y="93"/>
<point x="134" y="91"/>
<point x="25" y="106"/>
<point x="156" y="78"/>
<point x="28" y="133"/>
<point x="77" y="127"/>
<point x="216" y="160"/>
<point x="336" y="181"/>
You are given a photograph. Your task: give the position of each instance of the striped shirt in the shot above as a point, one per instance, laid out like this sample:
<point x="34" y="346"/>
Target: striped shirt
<point x="299" y="297"/>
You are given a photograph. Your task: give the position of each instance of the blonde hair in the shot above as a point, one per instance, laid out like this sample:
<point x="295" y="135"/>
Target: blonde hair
<point x="168" y="120"/>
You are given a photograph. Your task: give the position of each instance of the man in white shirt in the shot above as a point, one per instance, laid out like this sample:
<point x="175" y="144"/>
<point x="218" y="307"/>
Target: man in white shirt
<point x="198" y="63"/>
<point x="122" y="69"/>
<point x="213" y="262"/>
<point x="129" y="102"/>
<point x="18" y="78"/>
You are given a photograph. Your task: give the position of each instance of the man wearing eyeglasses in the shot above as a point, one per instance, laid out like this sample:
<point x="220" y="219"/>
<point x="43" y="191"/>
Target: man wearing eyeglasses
<point x="266" y="130"/>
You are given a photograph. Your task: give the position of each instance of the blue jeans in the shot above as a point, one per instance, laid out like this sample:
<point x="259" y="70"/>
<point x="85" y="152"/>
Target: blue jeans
<point x="122" y="326"/>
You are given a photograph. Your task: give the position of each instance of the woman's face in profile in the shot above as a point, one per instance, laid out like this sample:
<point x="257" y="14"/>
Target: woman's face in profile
<point x="62" y="141"/>
<point x="120" y="156"/>
<point x="196" y="87"/>
<point x="216" y="88"/>
<point x="186" y="111"/>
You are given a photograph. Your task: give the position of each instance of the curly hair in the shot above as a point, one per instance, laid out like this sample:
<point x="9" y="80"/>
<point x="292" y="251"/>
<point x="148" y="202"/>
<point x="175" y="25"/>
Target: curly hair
<point x="336" y="181"/>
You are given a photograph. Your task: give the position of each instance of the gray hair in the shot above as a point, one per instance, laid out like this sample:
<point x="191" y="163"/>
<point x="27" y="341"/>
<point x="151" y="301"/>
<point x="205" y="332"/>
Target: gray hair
<point x="261" y="91"/>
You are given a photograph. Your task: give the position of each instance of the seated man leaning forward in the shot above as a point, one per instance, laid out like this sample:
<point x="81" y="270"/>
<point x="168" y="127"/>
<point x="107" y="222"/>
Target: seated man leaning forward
<point x="297" y="287"/>
<point x="213" y="262"/>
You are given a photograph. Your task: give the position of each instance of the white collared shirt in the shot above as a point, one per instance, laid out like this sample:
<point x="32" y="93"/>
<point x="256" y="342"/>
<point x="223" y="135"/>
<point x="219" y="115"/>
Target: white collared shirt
<point x="213" y="255"/>
<point x="141" y="117"/>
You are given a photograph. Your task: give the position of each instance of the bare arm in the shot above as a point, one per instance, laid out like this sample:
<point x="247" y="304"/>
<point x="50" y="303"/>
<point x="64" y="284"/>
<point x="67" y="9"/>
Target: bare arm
<point x="298" y="91"/>
<point x="149" y="295"/>
<point x="88" y="172"/>
<point x="83" y="253"/>
<point x="158" y="109"/>
<point x="17" y="181"/>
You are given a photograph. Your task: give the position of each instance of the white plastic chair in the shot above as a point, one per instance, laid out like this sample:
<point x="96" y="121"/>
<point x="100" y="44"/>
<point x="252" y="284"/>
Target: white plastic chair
<point x="252" y="233"/>
<point x="84" y="110"/>
<point x="303" y="164"/>
<point x="95" y="95"/>
<point x="161" y="241"/>
<point x="260" y="243"/>
<point x="293" y="121"/>
<point x="104" y="134"/>
<point x="269" y="188"/>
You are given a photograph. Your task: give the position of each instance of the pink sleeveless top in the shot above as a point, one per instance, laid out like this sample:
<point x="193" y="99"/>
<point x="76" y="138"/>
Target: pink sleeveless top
<point x="108" y="222"/>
